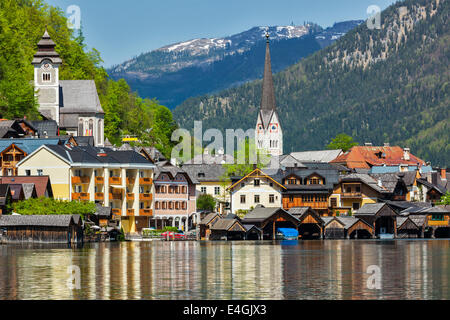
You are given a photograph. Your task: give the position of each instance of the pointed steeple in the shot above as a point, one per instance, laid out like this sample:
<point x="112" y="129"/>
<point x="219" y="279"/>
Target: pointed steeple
<point x="268" y="92"/>
<point x="46" y="50"/>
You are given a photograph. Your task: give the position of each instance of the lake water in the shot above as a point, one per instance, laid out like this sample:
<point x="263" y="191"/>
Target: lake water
<point x="409" y="269"/>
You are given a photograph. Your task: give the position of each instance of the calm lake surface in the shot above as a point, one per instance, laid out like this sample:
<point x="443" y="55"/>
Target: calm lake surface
<point x="410" y="269"/>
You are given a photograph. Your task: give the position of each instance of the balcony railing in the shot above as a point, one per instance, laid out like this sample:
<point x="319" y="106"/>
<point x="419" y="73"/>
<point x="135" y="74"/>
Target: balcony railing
<point x="351" y="195"/>
<point x="438" y="223"/>
<point x="130" y="212"/>
<point x="99" y="180"/>
<point x="9" y="163"/>
<point x="146" y="212"/>
<point x="145" y="181"/>
<point x="80" y="196"/>
<point x="80" y="180"/>
<point x="145" y="196"/>
<point x="315" y="205"/>
<point x="130" y="196"/>
<point x="115" y="180"/>
<point x="99" y="196"/>
<point x="115" y="196"/>
<point x="117" y="212"/>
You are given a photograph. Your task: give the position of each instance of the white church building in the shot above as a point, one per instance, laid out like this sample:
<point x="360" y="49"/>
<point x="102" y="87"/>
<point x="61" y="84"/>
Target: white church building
<point x="73" y="104"/>
<point x="268" y="133"/>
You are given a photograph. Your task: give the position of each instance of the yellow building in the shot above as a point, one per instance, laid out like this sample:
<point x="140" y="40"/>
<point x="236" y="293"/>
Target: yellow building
<point x="122" y="180"/>
<point x="354" y="191"/>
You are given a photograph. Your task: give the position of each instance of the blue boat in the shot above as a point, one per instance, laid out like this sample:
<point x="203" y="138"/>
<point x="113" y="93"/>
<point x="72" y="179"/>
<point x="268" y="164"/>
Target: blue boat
<point x="287" y="234"/>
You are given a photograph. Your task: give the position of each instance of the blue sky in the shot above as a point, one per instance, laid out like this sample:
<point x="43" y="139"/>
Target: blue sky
<point x="122" y="29"/>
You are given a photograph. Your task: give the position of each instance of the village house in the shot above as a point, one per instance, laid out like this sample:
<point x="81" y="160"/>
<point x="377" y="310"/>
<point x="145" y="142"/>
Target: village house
<point x="175" y="198"/>
<point x="256" y="188"/>
<point x="122" y="180"/>
<point x="308" y="185"/>
<point x="211" y="180"/>
<point x="367" y="157"/>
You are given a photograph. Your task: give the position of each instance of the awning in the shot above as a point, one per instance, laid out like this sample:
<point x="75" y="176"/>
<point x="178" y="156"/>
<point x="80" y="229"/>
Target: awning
<point x="118" y="187"/>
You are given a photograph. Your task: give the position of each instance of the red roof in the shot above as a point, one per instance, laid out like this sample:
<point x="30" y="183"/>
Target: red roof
<point x="369" y="156"/>
<point x="40" y="183"/>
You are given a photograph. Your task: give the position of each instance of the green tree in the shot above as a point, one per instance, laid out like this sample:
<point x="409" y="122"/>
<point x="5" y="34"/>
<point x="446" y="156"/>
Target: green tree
<point x="49" y="206"/>
<point x="342" y="141"/>
<point x="445" y="199"/>
<point x="206" y="202"/>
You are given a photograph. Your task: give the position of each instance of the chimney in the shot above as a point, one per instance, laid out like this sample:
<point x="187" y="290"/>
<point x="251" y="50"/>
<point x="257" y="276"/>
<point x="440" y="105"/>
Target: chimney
<point x="443" y="174"/>
<point x="406" y="154"/>
<point x="387" y="144"/>
<point x="368" y="144"/>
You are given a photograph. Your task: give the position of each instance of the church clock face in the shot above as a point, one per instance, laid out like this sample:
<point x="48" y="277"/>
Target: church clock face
<point x="273" y="127"/>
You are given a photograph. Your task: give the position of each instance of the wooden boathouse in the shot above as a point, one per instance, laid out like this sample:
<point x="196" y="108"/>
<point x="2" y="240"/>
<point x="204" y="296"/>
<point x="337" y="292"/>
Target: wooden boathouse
<point x="227" y="229"/>
<point x="381" y="217"/>
<point x="310" y="222"/>
<point x="41" y="229"/>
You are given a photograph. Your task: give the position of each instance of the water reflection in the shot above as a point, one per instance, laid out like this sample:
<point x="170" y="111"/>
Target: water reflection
<point x="410" y="269"/>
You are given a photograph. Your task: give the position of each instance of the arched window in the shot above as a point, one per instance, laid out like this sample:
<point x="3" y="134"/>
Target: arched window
<point x="177" y="205"/>
<point x="157" y="205"/>
<point x="164" y="205"/>
<point x="91" y="127"/>
<point x="46" y="77"/>
<point x="80" y="127"/>
<point x="184" y="205"/>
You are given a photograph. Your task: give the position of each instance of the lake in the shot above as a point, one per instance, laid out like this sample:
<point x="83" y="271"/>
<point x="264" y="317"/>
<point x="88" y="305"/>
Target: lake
<point x="341" y="269"/>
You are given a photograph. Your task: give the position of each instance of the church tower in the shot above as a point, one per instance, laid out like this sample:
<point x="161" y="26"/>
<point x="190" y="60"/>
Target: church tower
<point x="46" y="64"/>
<point x="269" y="136"/>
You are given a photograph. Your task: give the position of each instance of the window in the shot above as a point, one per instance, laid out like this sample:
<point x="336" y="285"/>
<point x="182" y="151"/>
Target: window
<point x="348" y="189"/>
<point x="203" y="190"/>
<point x="28" y="172"/>
<point x="355" y="205"/>
<point x="141" y="174"/>
<point x="184" y="205"/>
<point x="437" y="217"/>
<point x="333" y="202"/>
<point x="80" y="127"/>
<point x="256" y="198"/>
<point x="256" y="183"/>
<point x="216" y="190"/>
<point x="292" y="181"/>
<point x="271" y="198"/>
<point x="201" y="174"/>
<point x="242" y="185"/>
<point x="242" y="198"/>
<point x="40" y="172"/>
<point x="271" y="184"/>
<point x="46" y="77"/>
<point x="291" y="198"/>
<point x="358" y="189"/>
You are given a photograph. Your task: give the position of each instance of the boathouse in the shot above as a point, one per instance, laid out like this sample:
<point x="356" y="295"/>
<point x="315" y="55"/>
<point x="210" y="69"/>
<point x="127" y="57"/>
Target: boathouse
<point x="205" y="225"/>
<point x="357" y="228"/>
<point x="381" y="217"/>
<point x="333" y="228"/>
<point x="310" y="222"/>
<point x="41" y="229"/>
<point x="406" y="228"/>
<point x="227" y="229"/>
<point x="252" y="232"/>
<point x="438" y="221"/>
<point x="269" y="220"/>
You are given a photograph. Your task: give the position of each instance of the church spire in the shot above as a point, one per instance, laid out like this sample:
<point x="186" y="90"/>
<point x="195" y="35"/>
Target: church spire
<point x="268" y="92"/>
<point x="46" y="50"/>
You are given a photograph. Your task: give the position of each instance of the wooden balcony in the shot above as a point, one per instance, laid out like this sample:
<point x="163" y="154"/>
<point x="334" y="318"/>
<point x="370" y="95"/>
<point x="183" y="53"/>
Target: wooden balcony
<point x="438" y="223"/>
<point x="130" y="212"/>
<point x="145" y="181"/>
<point x="80" y="180"/>
<point x="130" y="196"/>
<point x="99" y="180"/>
<point x="115" y="196"/>
<point x="99" y="196"/>
<point x="117" y="212"/>
<point x="115" y="180"/>
<point x="351" y="195"/>
<point x="81" y="196"/>
<point x="145" y="196"/>
<point x="9" y="164"/>
<point x="146" y="212"/>
<point x="130" y="180"/>
<point x="315" y="205"/>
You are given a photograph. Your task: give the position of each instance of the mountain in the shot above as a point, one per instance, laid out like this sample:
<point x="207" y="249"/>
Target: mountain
<point x="171" y="74"/>
<point x="377" y="85"/>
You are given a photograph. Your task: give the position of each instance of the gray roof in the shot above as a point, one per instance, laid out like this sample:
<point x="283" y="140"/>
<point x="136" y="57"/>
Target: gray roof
<point x="348" y="221"/>
<point x="79" y="96"/>
<point x="389" y="180"/>
<point x="268" y="93"/>
<point x="401" y="220"/>
<point x="366" y="179"/>
<point x="419" y="220"/>
<point x="173" y="170"/>
<point x="103" y="211"/>
<point x="437" y="210"/>
<point x="224" y="224"/>
<point x="298" y="211"/>
<point x="211" y="159"/>
<point x="46" y="128"/>
<point x="262" y="213"/>
<point x="207" y="219"/>
<point x="44" y="221"/>
<point x="248" y="227"/>
<point x="205" y="172"/>
<point x="327" y="220"/>
<point x="370" y="208"/>
<point x="316" y="156"/>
